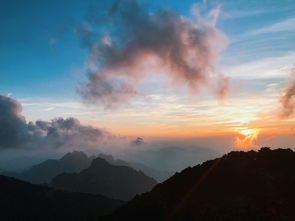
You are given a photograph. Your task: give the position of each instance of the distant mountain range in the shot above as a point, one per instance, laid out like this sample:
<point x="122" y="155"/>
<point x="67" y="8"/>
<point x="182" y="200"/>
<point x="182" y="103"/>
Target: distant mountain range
<point x="78" y="173"/>
<point x="45" y="171"/>
<point x="118" y="182"/>
<point x="159" y="175"/>
<point x="74" y="162"/>
<point x="244" y="186"/>
<point x="22" y="201"/>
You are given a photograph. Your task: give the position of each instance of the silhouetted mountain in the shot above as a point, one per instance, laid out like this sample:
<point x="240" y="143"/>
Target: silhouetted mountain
<point x="45" y="171"/>
<point x="159" y="175"/>
<point x="22" y="201"/>
<point x="111" y="160"/>
<point x="118" y="182"/>
<point x="242" y="186"/>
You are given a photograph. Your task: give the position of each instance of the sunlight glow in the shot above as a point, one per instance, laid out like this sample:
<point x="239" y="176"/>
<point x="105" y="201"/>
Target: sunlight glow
<point x="248" y="139"/>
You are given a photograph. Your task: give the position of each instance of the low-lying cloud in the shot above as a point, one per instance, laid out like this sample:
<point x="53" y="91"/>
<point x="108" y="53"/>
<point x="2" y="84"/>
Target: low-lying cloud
<point x="16" y="133"/>
<point x="126" y="42"/>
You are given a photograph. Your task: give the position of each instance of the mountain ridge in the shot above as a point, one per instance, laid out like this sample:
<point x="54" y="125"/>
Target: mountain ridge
<point x="118" y="182"/>
<point x="43" y="172"/>
<point x="253" y="185"/>
<point x="159" y="175"/>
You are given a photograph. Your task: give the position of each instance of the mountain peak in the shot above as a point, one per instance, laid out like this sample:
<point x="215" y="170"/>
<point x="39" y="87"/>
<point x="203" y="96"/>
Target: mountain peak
<point x="117" y="182"/>
<point x="74" y="155"/>
<point x="43" y="173"/>
<point x="99" y="162"/>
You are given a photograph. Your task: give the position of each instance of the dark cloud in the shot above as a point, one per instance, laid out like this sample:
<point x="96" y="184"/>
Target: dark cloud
<point x="126" y="41"/>
<point x="12" y="124"/>
<point x="16" y="133"/>
<point x="138" y="141"/>
<point x="288" y="98"/>
<point x="64" y="132"/>
<point x="106" y="91"/>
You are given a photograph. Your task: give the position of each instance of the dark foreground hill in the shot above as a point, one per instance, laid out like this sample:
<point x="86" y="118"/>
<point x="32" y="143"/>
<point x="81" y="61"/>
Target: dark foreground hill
<point x="22" y="201"/>
<point x="240" y="186"/>
<point x="45" y="171"/>
<point x="117" y="182"/>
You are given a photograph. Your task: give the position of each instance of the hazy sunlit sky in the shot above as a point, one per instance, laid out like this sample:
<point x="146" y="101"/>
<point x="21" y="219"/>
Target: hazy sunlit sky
<point x="42" y="62"/>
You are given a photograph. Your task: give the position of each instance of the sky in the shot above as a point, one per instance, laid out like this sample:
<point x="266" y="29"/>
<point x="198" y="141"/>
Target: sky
<point x="47" y="58"/>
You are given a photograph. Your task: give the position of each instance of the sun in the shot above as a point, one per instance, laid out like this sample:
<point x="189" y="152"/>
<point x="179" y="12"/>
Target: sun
<point x="249" y="138"/>
<point x="245" y="132"/>
<point x="248" y="131"/>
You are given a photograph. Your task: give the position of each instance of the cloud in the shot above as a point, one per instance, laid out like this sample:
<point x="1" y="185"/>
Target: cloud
<point x="12" y="124"/>
<point x="281" y="26"/>
<point x="15" y="132"/>
<point x="265" y="68"/>
<point x="238" y="14"/>
<point x="64" y="132"/>
<point x="138" y="141"/>
<point x="288" y="98"/>
<point x="126" y="42"/>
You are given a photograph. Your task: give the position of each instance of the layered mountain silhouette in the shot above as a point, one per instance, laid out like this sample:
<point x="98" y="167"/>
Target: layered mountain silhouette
<point x="45" y="171"/>
<point x="159" y="175"/>
<point x="22" y="201"/>
<point x="75" y="162"/>
<point x="244" y="186"/>
<point x="118" y="182"/>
